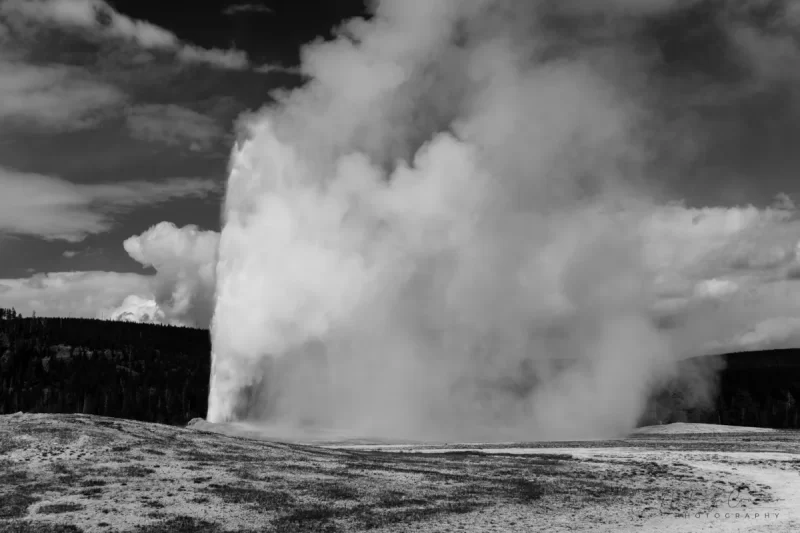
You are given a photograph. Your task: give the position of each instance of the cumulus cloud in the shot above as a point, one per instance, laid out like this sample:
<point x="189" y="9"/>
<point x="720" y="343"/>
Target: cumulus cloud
<point x="59" y="97"/>
<point x="777" y="332"/>
<point x="98" y="18"/>
<point x="72" y="294"/>
<point x="135" y="308"/>
<point x="55" y="209"/>
<point x="684" y="239"/>
<point x="173" y="124"/>
<point x="184" y="260"/>
<point x="715" y="288"/>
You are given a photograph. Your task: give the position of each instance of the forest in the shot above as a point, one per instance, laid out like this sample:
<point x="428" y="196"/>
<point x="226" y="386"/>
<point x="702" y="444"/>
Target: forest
<point x="756" y="388"/>
<point x="160" y="374"/>
<point x="120" y="369"/>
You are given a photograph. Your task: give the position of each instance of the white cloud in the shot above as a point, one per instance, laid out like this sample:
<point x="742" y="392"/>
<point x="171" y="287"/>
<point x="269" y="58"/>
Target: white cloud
<point x="185" y="262"/>
<point x="173" y="124"/>
<point x="58" y="97"/>
<point x="180" y="293"/>
<point x="684" y="239"/>
<point x="55" y="209"/>
<point x="715" y="288"/>
<point x="771" y="333"/>
<point x="136" y="309"/>
<point x="99" y="18"/>
<point x="72" y="294"/>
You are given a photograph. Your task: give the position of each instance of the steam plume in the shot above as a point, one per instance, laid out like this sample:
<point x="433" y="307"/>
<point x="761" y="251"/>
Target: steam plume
<point x="438" y="235"/>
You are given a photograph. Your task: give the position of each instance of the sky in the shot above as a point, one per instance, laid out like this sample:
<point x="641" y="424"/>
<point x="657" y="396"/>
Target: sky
<point x="117" y="121"/>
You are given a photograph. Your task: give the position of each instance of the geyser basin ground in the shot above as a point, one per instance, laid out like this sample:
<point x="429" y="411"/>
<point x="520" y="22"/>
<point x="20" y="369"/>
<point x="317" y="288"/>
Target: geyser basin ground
<point x="84" y="473"/>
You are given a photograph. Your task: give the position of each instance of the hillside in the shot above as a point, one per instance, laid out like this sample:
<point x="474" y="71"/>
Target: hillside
<point x="121" y="369"/>
<point x="85" y="474"/>
<point x="161" y="374"/>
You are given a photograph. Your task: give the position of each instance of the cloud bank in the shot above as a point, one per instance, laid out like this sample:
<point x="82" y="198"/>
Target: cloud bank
<point x="71" y="294"/>
<point x="174" y="125"/>
<point x="55" y="209"/>
<point x="53" y="97"/>
<point x="98" y="18"/>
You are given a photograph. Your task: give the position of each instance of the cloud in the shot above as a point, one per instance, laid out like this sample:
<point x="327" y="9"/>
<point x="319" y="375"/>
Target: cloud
<point x="59" y="97"/>
<point x="243" y="9"/>
<point x="185" y="261"/>
<point x="770" y="333"/>
<point x="136" y="309"/>
<point x="684" y="239"/>
<point x="715" y="288"/>
<point x="55" y="209"/>
<point x="273" y="69"/>
<point x="173" y="124"/>
<point x="72" y="294"/>
<point x="98" y="18"/>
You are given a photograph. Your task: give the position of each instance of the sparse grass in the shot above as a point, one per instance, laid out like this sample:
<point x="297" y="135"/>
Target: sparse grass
<point x="308" y="519"/>
<point x="526" y="490"/>
<point x="395" y="498"/>
<point x="136" y="471"/>
<point x="64" y="474"/>
<point x="58" y="508"/>
<point x="60" y="434"/>
<point x="11" y="476"/>
<point x="180" y="524"/>
<point x="92" y="493"/>
<point x="302" y="489"/>
<point x="153" y="452"/>
<point x="37" y="527"/>
<point x="257" y="499"/>
<point x="335" y="491"/>
<point x="15" y="504"/>
<point x="8" y="444"/>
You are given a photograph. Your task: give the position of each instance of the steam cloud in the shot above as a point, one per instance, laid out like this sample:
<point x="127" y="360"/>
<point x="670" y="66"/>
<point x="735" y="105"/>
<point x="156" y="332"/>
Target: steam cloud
<point x="439" y="235"/>
<point x="184" y="281"/>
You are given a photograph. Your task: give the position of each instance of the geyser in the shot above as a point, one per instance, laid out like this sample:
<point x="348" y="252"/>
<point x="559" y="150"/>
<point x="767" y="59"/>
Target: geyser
<point x="436" y="236"/>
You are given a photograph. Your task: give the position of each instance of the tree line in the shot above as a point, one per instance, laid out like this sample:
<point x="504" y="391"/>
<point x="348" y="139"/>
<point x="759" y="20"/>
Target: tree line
<point x="146" y="372"/>
<point x="159" y="373"/>
<point x="757" y="389"/>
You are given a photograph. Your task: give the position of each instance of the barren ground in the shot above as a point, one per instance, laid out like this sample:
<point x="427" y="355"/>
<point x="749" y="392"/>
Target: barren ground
<point x="71" y="473"/>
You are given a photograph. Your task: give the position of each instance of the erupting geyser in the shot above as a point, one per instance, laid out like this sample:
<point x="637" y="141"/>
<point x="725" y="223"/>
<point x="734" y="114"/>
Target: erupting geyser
<point x="436" y="236"/>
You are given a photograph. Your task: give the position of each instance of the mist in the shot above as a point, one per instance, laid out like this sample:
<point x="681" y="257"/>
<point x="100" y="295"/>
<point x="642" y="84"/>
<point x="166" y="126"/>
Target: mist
<point x="438" y="236"/>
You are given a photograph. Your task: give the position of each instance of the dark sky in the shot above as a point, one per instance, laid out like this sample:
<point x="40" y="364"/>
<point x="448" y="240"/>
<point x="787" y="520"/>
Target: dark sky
<point x="743" y="134"/>
<point x="268" y="32"/>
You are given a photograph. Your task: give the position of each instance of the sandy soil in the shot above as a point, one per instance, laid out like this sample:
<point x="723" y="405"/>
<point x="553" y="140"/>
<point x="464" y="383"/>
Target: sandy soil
<point x="72" y="473"/>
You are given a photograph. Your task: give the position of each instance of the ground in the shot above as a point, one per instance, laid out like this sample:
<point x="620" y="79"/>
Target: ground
<point x="72" y="473"/>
